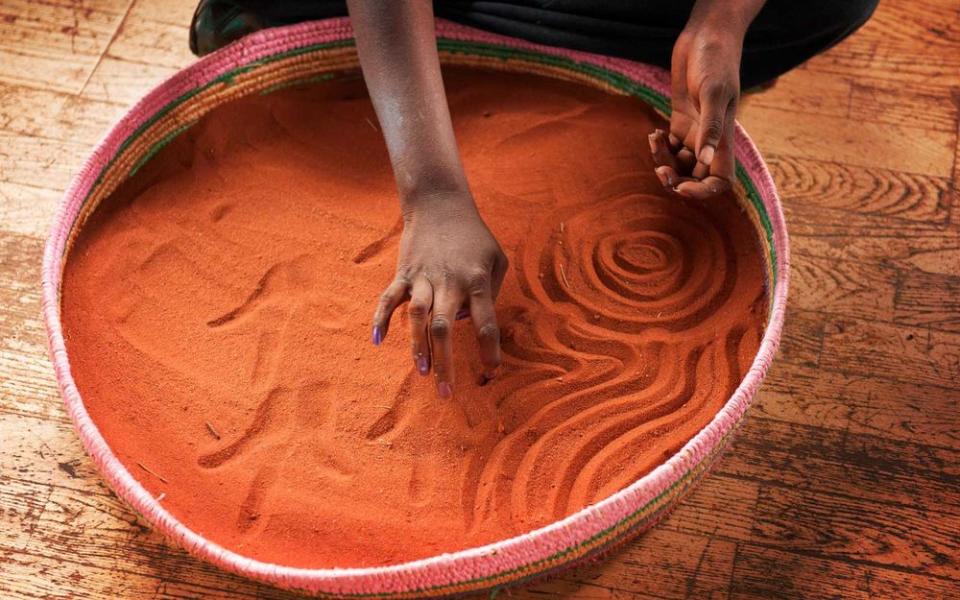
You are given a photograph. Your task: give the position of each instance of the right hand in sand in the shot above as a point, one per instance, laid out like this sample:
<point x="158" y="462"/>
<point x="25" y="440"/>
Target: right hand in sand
<point x="449" y="263"/>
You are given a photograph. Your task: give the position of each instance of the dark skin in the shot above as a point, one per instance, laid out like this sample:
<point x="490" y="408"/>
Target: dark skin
<point x="449" y="263"/>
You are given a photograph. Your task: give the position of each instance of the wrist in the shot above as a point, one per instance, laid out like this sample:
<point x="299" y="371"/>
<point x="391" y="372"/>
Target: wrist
<point x="439" y="200"/>
<point x="422" y="179"/>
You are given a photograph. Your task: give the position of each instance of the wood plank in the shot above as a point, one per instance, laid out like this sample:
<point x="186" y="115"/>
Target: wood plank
<point x="151" y="42"/>
<point x="719" y="507"/>
<point x="896" y="352"/>
<point x="21" y="504"/>
<point x="843" y="287"/>
<point x="853" y="142"/>
<point x="55" y="45"/>
<point x="823" y="197"/>
<point x="763" y="573"/>
<point x="27" y="385"/>
<point x="46" y="453"/>
<point x="659" y="564"/>
<point x="171" y="12"/>
<point x="929" y="299"/>
<point x="41" y="575"/>
<point x="916" y="105"/>
<point x="27" y="210"/>
<point x="871" y="468"/>
<point x="40" y="162"/>
<point x="123" y="82"/>
<point x="861" y="404"/>
<point x="905" y="41"/>
<point x="802" y="339"/>
<point x="812" y="523"/>
<point x="806" y="92"/>
<point x="936" y="250"/>
<point x="848" y="530"/>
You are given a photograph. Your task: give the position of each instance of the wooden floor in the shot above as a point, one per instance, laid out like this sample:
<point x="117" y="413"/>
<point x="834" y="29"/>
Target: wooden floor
<point x="845" y="481"/>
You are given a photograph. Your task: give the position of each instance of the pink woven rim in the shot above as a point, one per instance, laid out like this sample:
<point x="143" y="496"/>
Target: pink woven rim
<point x="447" y="569"/>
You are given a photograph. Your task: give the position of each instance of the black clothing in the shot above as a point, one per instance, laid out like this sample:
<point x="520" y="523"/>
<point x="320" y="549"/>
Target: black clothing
<point x="785" y="33"/>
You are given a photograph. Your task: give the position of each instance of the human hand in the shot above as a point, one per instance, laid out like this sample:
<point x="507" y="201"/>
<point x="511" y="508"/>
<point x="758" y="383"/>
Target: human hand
<point x="448" y="261"/>
<point x="697" y="159"/>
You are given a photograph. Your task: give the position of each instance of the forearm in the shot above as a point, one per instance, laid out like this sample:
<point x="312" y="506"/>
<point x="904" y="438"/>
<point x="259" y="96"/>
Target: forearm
<point x="734" y="16"/>
<point x="398" y="53"/>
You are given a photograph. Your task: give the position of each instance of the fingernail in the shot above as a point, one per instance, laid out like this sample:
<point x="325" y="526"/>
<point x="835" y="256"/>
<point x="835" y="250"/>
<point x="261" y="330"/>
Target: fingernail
<point x="706" y="155"/>
<point x="488" y="375"/>
<point x="377" y="335"/>
<point x="445" y="390"/>
<point x="423" y="365"/>
<point x="674" y="140"/>
<point x="463" y="313"/>
<point x="663" y="177"/>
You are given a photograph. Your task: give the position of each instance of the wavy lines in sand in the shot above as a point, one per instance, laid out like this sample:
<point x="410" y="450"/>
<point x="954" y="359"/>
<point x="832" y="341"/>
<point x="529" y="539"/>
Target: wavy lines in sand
<point x="635" y="262"/>
<point x="621" y="348"/>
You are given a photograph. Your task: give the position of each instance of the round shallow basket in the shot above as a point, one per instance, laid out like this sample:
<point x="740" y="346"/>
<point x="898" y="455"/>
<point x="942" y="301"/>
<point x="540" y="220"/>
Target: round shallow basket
<point x="318" y="51"/>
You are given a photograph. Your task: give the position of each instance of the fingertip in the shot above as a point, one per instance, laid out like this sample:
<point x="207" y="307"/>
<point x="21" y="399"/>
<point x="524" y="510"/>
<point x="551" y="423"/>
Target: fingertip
<point x="376" y="336"/>
<point x="487" y="376"/>
<point x="445" y="390"/>
<point x="665" y="175"/>
<point x="675" y="142"/>
<point x="684" y="189"/>
<point x="423" y="364"/>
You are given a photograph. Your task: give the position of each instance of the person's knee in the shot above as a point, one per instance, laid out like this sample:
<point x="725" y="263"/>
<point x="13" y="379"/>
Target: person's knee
<point x="851" y="15"/>
<point x="787" y="19"/>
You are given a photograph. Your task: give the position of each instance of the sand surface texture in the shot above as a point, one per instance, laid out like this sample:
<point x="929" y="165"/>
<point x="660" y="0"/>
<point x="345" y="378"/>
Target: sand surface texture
<point x="217" y="313"/>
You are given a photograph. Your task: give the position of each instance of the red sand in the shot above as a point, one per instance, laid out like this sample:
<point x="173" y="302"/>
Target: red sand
<point x="232" y="282"/>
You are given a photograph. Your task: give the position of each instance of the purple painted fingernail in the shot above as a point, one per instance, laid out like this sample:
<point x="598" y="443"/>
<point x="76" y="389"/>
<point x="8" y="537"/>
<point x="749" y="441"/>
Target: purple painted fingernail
<point x="377" y="335"/>
<point x="423" y="365"/>
<point x="489" y="375"/>
<point x="445" y="390"/>
<point x="463" y="313"/>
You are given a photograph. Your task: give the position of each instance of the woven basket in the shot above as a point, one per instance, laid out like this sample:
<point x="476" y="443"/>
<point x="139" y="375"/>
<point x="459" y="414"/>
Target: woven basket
<point x="276" y="58"/>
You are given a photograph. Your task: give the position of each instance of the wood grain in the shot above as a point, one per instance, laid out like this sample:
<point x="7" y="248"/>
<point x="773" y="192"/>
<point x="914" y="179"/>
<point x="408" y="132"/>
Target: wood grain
<point x="844" y="481"/>
<point x="55" y="44"/>
<point x="861" y="404"/>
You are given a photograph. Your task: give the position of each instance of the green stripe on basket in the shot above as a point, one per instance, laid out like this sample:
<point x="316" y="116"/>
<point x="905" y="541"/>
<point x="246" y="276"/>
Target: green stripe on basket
<point x="158" y="146"/>
<point x="621" y="82"/>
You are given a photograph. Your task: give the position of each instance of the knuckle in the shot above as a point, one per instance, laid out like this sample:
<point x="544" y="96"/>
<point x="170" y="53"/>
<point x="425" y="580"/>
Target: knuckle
<point x="417" y="311"/>
<point x="440" y="328"/>
<point x="445" y="278"/>
<point x="478" y="282"/>
<point x="715" y="89"/>
<point x="713" y="127"/>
